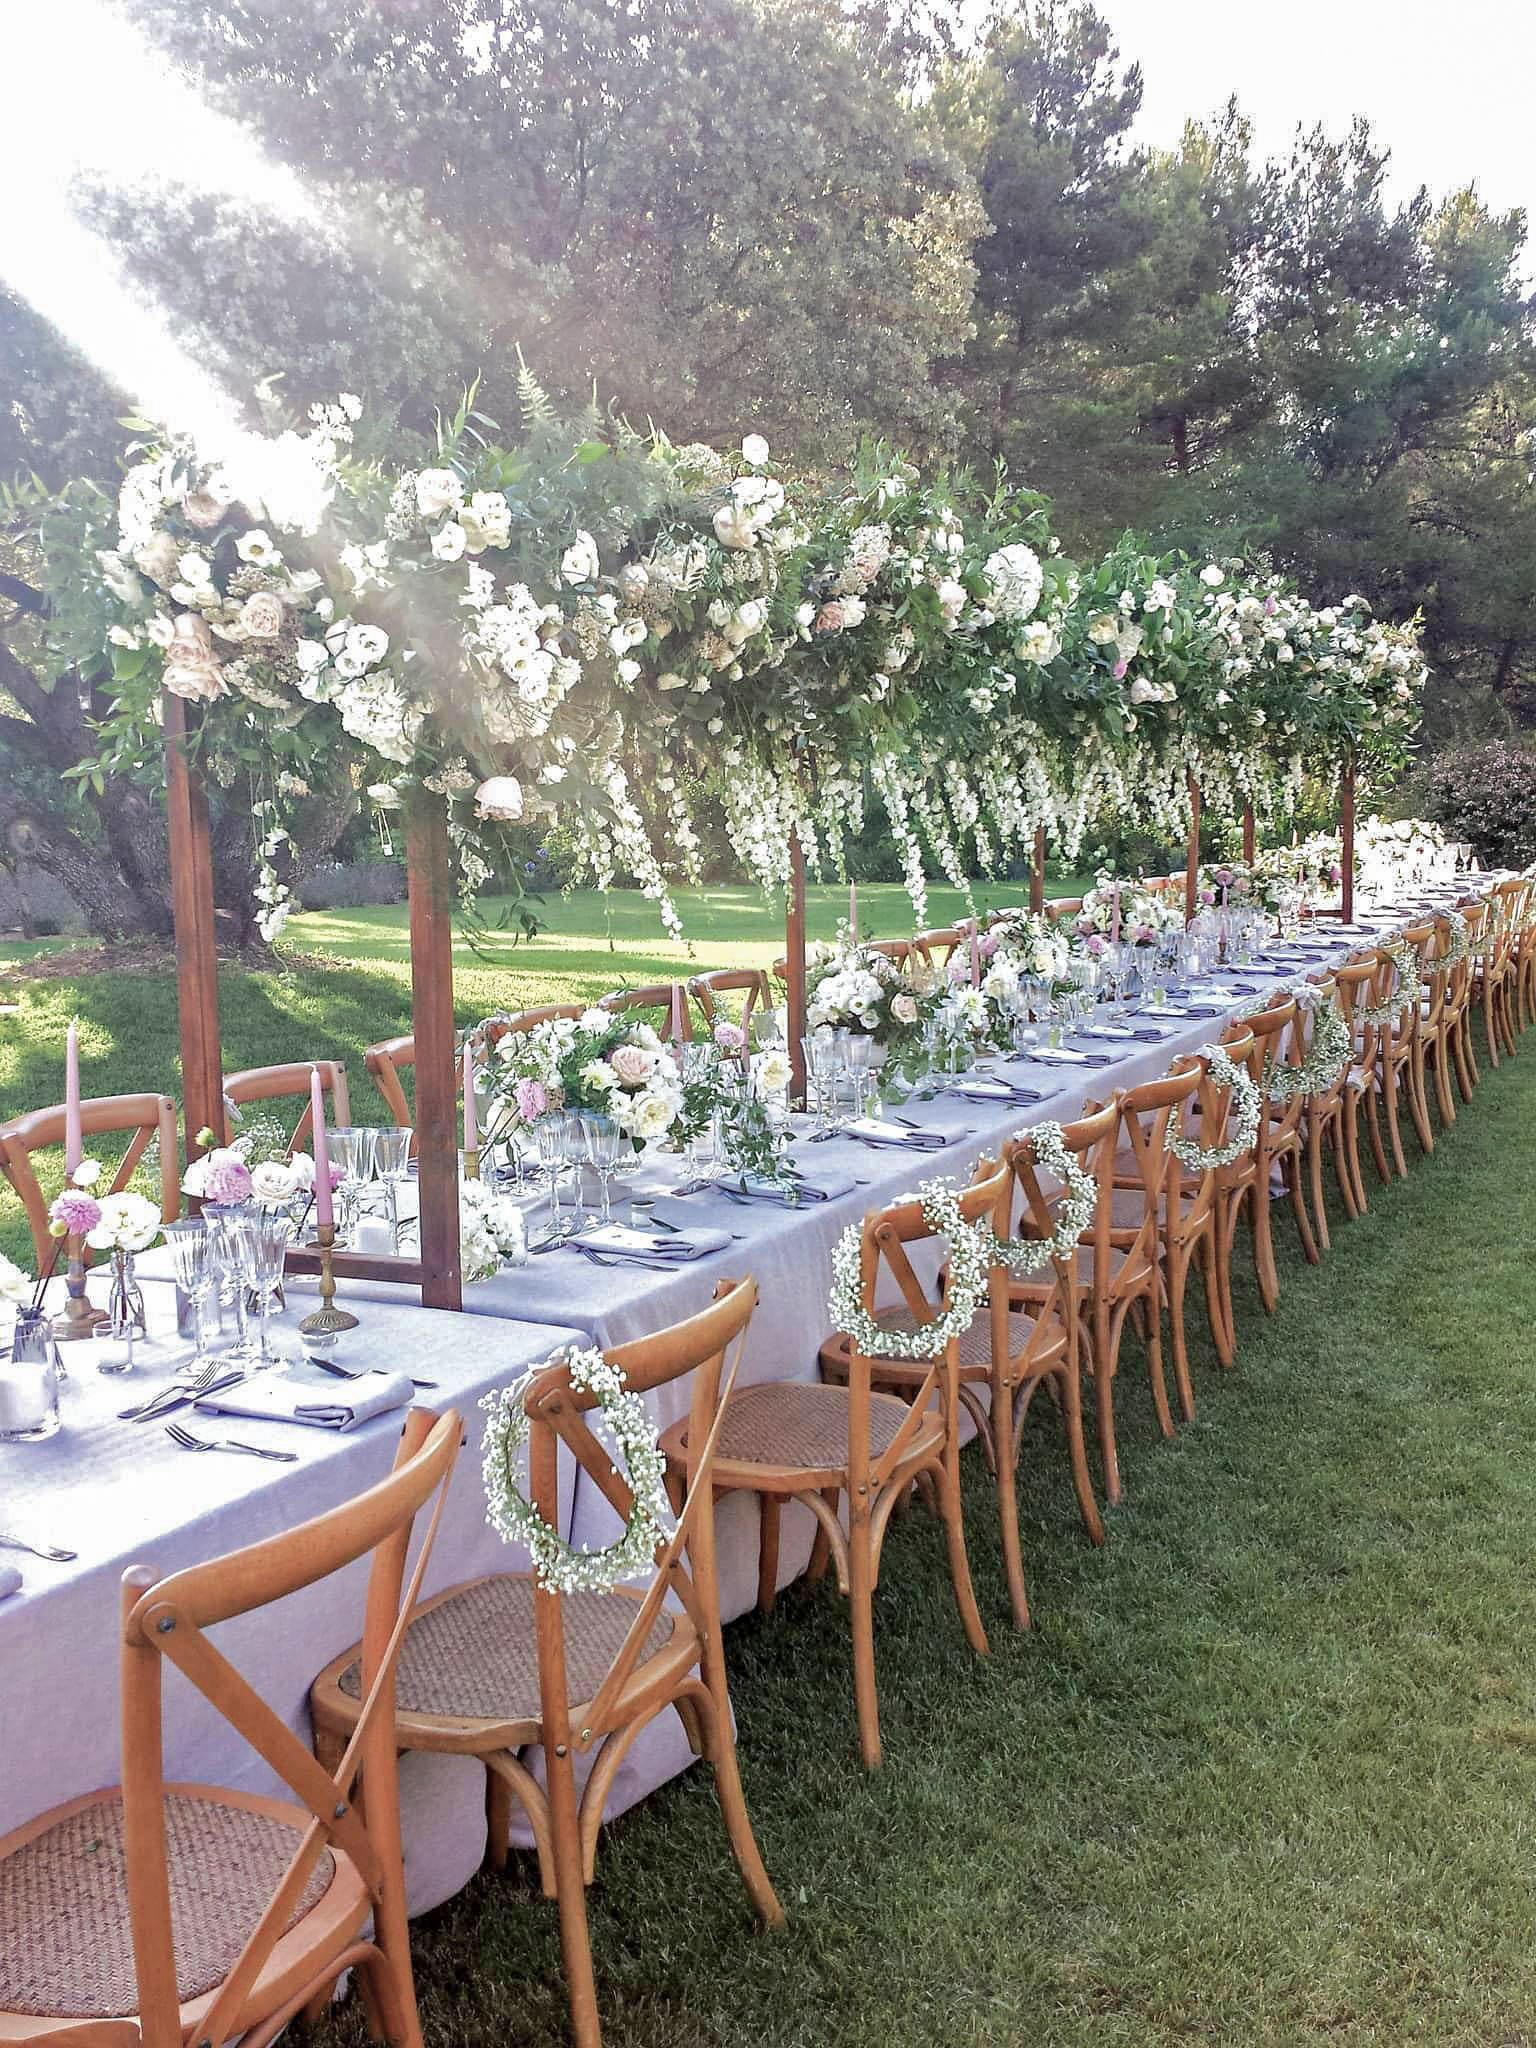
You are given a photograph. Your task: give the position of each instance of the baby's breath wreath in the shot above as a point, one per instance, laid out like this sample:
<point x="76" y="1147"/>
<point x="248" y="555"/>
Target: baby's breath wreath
<point x="1406" y="995"/>
<point x="1246" y="1102"/>
<point x="1079" y="1199"/>
<point x="1461" y="940"/>
<point x="1326" y="1058"/>
<point x="559" y="1566"/>
<point x="969" y="1259"/>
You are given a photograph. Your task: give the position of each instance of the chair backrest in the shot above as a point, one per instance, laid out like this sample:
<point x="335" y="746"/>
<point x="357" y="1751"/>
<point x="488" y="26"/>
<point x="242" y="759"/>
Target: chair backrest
<point x="166" y="1621"/>
<point x="885" y="1237"/>
<point x="1146" y="1113"/>
<point x="1063" y="906"/>
<point x="657" y="997"/>
<point x="685" y="1562"/>
<point x="268" y="1084"/>
<point x="939" y="947"/>
<point x="1030" y="1212"/>
<point x="385" y="1061"/>
<point x="1354" y="984"/>
<point x="752" y="982"/>
<point x="138" y="1117"/>
<point x="1274" y="1033"/>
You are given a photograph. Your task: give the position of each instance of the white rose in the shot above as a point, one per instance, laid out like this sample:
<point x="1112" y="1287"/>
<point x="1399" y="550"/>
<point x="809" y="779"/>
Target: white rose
<point x="195" y="570"/>
<point x="275" y="1181"/>
<point x="754" y="449"/>
<point x="752" y="615"/>
<point x="1103" y="628"/>
<point x="500" y="796"/>
<point x="449" y="542"/>
<point x="87" y="1173"/>
<point x="579" y="563"/>
<point x="735" y="527"/>
<point x="438" y="490"/>
<point x="1212" y="577"/>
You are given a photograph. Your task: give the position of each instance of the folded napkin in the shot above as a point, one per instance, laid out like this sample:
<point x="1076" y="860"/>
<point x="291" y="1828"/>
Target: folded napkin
<point x="341" y="1405"/>
<point x="983" y="1090"/>
<point x="623" y="1241"/>
<point x="831" y="1187"/>
<point x="1163" y="1010"/>
<point x="874" y="1130"/>
<point x="10" y="1581"/>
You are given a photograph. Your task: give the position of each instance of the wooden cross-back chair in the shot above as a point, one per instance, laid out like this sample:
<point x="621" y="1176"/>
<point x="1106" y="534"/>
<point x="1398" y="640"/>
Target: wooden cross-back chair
<point x="1278" y="1146"/>
<point x="752" y="983"/>
<point x="658" y="996"/>
<point x="1328" y="1119"/>
<point x="1497" y="971"/>
<point x="816" y="1442"/>
<point x="211" y="1915"/>
<point x="275" y="1084"/>
<point x="939" y="947"/>
<point x="391" y="1058"/>
<point x="1116" y="1274"/>
<point x="139" y="1118"/>
<point x="1434" y="1052"/>
<point x="1009" y="1353"/>
<point x="500" y="1665"/>
<point x="1062" y="906"/>
<point x="1151" y="1181"/>
<point x="1460" y="1000"/>
<point x="1398" y="1056"/>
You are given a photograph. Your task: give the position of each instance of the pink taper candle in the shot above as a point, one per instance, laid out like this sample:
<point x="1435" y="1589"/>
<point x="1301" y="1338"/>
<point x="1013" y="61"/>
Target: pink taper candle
<point x="325" y="1216"/>
<point x="73" y="1147"/>
<point x="677" y="1014"/>
<point x="853" y="912"/>
<point x="471" y="1130"/>
<point x="975" y="954"/>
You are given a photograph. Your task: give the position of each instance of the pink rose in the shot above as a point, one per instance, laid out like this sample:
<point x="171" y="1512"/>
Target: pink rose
<point x="632" y="1064"/>
<point x="988" y="945"/>
<point x="230" y="1181"/>
<point x="197" y="681"/>
<point x="730" y="1037"/>
<point x="830" y="618"/>
<point x="74" y="1212"/>
<point x="1270" y="607"/>
<point x="263" y="615"/>
<point x="1120" y="669"/>
<point x="532" y="1100"/>
<point x="1093" y="943"/>
<point x="1207" y="895"/>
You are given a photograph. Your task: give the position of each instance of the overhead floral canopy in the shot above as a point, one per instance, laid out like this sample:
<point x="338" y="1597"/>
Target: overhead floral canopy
<point x="610" y="629"/>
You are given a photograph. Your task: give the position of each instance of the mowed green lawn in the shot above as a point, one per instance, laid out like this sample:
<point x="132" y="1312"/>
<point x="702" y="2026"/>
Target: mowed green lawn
<point x="1264" y="1771"/>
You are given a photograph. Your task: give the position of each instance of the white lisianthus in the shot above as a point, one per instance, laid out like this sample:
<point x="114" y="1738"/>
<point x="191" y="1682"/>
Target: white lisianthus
<point x="438" y="490"/>
<point x="195" y="570"/>
<point x="1212" y="577"/>
<point x="579" y="563"/>
<point x="365" y="644"/>
<point x="1161" y="596"/>
<point x="257" y="548"/>
<point x="127" y="1223"/>
<point x="87" y="1173"/>
<point x="754" y="449"/>
<point x="449" y="542"/>
<point x="652" y="1115"/>
<point x="500" y="797"/>
<point x="1103" y="628"/>
<point x="771" y="1071"/>
<point x="951" y="596"/>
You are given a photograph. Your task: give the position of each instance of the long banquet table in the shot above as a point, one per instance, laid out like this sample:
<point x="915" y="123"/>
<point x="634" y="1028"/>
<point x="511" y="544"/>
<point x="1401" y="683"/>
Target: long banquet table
<point x="120" y="1494"/>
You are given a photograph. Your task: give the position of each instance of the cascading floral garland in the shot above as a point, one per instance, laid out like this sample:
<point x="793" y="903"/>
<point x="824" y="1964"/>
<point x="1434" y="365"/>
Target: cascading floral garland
<point x="969" y="1261"/>
<point x="1405" y="995"/>
<point x="1325" y="1060"/>
<point x="598" y="630"/>
<point x="1247" y="1106"/>
<point x="1079" y="1200"/>
<point x="559" y="1566"/>
<point x="1461" y="940"/>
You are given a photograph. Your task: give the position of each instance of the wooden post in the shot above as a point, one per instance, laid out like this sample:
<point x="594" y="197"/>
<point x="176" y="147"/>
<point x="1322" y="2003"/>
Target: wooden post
<point x="1347" y="842"/>
<point x="428" y="872"/>
<point x="197" y="960"/>
<point x="1249" y="836"/>
<point x="794" y="968"/>
<point x="1037" y="872"/>
<point x="1192" y="858"/>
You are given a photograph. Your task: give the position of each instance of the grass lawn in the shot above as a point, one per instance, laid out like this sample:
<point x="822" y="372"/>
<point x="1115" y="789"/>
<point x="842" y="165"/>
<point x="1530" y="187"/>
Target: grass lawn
<point x="1264" y="1772"/>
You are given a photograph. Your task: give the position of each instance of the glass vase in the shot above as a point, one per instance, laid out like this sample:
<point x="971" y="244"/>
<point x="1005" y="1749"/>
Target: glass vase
<point x="29" y="1381"/>
<point x="125" y="1315"/>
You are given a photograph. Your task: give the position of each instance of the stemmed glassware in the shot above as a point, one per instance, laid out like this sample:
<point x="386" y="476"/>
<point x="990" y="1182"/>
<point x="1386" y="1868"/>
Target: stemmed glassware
<point x="573" y="1154"/>
<point x="392" y="1163"/>
<point x="262" y="1240"/>
<point x="858" y="1057"/>
<point x="351" y="1149"/>
<point x="195" y="1276"/>
<point x="821" y="1069"/>
<point x="223" y="1220"/>
<point x="550" y="1140"/>
<point x="603" y="1140"/>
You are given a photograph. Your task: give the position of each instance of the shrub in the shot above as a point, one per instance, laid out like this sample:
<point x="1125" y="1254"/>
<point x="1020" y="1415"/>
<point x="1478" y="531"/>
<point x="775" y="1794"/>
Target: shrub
<point x="1487" y="795"/>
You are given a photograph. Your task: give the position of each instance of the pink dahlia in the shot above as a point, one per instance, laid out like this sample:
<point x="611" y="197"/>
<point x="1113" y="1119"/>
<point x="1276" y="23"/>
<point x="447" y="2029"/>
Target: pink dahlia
<point x="730" y="1037"/>
<point x="74" y="1212"/>
<point x="532" y="1100"/>
<point x="230" y="1181"/>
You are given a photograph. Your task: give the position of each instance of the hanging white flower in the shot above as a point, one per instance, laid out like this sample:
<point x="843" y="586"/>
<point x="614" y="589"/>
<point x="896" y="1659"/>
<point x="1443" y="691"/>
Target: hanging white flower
<point x="754" y="449"/>
<point x="579" y="563"/>
<point x="500" y="797"/>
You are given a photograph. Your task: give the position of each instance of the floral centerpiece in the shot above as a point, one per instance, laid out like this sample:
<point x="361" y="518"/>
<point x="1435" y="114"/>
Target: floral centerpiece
<point x="851" y="987"/>
<point x="609" y="1065"/>
<point x="491" y="1229"/>
<point x="1128" y="911"/>
<point x="1238" y="885"/>
<point x="257" y="1167"/>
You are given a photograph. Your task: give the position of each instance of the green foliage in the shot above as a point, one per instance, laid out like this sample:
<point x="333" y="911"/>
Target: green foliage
<point x="1487" y="795"/>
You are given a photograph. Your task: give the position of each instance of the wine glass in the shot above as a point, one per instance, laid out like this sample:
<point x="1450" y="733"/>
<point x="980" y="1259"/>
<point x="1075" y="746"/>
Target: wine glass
<point x="392" y="1163"/>
<point x="262" y="1241"/>
<point x="223" y="1220"/>
<point x="859" y="1057"/>
<point x="603" y="1139"/>
<point x="188" y="1240"/>
<point x="351" y="1149"/>
<point x="550" y="1141"/>
<point x="573" y="1154"/>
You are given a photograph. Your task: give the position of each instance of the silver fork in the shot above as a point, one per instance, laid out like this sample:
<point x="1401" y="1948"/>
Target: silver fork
<point x="44" y="1550"/>
<point x="350" y="1372"/>
<point x="184" y="1390"/>
<point x="188" y="1442"/>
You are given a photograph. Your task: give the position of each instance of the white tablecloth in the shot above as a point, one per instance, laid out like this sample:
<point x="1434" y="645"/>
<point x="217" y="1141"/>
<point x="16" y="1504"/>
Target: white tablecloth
<point x="122" y="1494"/>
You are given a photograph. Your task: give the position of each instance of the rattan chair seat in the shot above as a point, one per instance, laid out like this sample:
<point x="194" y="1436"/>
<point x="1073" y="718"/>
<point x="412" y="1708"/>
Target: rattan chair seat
<point x="973" y="1348"/>
<point x="65" y="1946"/>
<point x="802" y="1425"/>
<point x="471" y="1655"/>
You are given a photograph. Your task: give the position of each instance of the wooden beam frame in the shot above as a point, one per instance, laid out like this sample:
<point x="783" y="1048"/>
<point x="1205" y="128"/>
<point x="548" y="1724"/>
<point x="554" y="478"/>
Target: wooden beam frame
<point x="1192" y="854"/>
<point x="437" y="1271"/>
<point x="1347" y="842"/>
<point x="1037" y="872"/>
<point x="794" y="966"/>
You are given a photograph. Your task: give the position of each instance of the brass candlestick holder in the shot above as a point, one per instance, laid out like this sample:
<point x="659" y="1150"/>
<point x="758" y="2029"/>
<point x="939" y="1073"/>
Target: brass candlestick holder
<point x="79" y="1318"/>
<point x="472" y="1163"/>
<point x="327" y="1320"/>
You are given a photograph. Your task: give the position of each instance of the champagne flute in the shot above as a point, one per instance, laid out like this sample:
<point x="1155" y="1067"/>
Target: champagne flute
<point x="603" y="1139"/>
<point x="188" y="1240"/>
<point x="223" y="1220"/>
<point x="392" y="1162"/>
<point x="263" y="1244"/>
